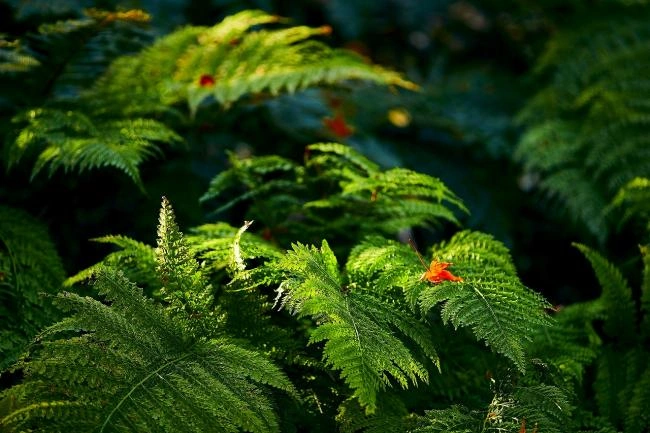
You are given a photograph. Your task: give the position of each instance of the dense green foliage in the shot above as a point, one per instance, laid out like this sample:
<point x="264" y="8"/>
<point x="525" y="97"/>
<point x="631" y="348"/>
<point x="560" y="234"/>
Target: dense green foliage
<point x="283" y="290"/>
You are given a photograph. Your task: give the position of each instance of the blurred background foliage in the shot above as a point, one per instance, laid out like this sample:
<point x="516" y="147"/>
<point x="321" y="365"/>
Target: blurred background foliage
<point x="519" y="103"/>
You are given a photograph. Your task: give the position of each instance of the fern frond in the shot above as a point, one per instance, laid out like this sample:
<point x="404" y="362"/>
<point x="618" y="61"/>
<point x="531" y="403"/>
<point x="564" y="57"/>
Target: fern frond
<point x="184" y="286"/>
<point x="135" y="259"/>
<point x="645" y="291"/>
<point x="30" y="267"/>
<point x="14" y="59"/>
<point x="213" y="245"/>
<point x="337" y="187"/>
<point x="264" y="175"/>
<point x="391" y="416"/>
<point x="546" y="406"/>
<point x="581" y="197"/>
<point x="571" y="344"/>
<point x="586" y="129"/>
<point x="491" y="299"/>
<point x="633" y="199"/>
<point x="361" y="332"/>
<point x="134" y="368"/>
<point x="620" y="315"/>
<point x="637" y="419"/>
<point x="239" y="62"/>
<point x="71" y="140"/>
<point x="455" y="419"/>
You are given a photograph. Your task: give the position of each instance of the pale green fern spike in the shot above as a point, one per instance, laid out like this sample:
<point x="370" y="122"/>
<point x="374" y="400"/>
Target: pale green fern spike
<point x="134" y="258"/>
<point x="620" y="322"/>
<point x="184" y="286"/>
<point x="358" y="329"/>
<point x="491" y="300"/>
<point x="30" y="268"/>
<point x="155" y="377"/>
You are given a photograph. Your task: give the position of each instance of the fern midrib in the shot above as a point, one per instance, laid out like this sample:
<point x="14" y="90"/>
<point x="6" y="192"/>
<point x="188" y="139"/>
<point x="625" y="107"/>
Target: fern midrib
<point x="489" y="307"/>
<point x="139" y="384"/>
<point x="356" y="331"/>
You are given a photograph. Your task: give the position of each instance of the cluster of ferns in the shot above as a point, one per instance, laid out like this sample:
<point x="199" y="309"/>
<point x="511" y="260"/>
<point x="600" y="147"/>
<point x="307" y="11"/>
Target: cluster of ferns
<point x="311" y="315"/>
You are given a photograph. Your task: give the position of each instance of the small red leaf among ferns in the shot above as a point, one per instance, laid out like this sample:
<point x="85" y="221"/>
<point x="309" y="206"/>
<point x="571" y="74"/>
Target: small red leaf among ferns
<point x="337" y="126"/>
<point x="206" y="80"/>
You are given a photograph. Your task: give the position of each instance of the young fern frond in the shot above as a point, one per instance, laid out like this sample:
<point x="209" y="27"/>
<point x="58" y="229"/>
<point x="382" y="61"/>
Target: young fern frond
<point x="184" y="287"/>
<point x="30" y="267"/>
<point x="135" y="368"/>
<point x="490" y="300"/>
<point x="361" y="332"/>
<point x="71" y="140"/>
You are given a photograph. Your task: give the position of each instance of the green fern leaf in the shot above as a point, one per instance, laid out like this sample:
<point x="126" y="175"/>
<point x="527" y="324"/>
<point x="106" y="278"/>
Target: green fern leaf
<point x="490" y="300"/>
<point x="586" y="129"/>
<point x="391" y="416"/>
<point x="30" y="267"/>
<point x="633" y="199"/>
<point x="617" y="297"/>
<point x="455" y="419"/>
<point x="637" y="419"/>
<point x="134" y="258"/>
<point x="184" y="286"/>
<point x="238" y="61"/>
<point x="74" y="141"/>
<point x="358" y="328"/>
<point x="571" y="344"/>
<point x="135" y="369"/>
<point x="645" y="291"/>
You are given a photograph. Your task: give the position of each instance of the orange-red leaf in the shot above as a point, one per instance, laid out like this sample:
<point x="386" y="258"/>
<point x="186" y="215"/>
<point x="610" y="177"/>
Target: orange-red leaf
<point x="337" y="126"/>
<point x="437" y="273"/>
